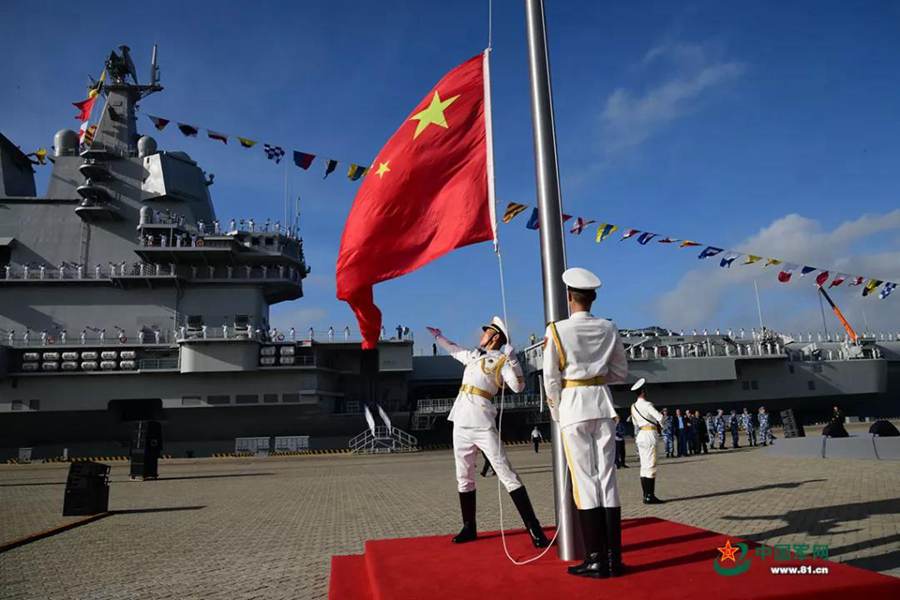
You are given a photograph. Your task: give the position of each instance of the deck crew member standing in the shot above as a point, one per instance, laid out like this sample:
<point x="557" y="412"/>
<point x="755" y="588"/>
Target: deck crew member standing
<point x="749" y="427"/>
<point x="536" y="438"/>
<point x="720" y="429"/>
<point x="647" y="421"/>
<point x="474" y="424"/>
<point x="667" y="424"/>
<point x="765" y="434"/>
<point x="582" y="354"/>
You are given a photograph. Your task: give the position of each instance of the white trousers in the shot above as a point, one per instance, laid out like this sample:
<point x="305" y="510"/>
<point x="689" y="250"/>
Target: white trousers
<point x="646" y="445"/>
<point x="466" y="444"/>
<point x="590" y="448"/>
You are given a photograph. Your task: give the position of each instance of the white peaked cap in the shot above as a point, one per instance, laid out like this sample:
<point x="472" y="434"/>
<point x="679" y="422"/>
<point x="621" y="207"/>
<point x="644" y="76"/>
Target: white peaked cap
<point x="498" y="324"/>
<point x="638" y="384"/>
<point x="580" y="279"/>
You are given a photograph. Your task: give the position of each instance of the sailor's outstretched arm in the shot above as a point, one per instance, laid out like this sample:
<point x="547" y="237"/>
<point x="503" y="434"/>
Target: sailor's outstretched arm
<point x="456" y="351"/>
<point x="512" y="370"/>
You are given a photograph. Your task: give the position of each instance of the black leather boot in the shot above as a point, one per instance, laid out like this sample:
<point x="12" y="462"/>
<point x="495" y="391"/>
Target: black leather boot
<point x="467" y="506"/>
<point x="645" y="490"/>
<point x="614" y="540"/>
<point x="650" y="497"/>
<point x="526" y="511"/>
<point x="596" y="554"/>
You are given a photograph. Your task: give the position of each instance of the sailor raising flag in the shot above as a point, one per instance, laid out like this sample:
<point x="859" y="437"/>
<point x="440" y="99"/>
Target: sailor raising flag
<point x="474" y="418"/>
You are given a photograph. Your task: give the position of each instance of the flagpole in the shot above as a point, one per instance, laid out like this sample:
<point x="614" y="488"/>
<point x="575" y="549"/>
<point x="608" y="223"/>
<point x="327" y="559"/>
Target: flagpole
<point x="758" y="306"/>
<point x="553" y="253"/>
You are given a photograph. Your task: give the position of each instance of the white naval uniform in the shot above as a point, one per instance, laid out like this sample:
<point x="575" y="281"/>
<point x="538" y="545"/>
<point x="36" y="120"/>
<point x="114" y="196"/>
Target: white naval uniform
<point x="579" y="362"/>
<point x="645" y="418"/>
<point x="474" y="415"/>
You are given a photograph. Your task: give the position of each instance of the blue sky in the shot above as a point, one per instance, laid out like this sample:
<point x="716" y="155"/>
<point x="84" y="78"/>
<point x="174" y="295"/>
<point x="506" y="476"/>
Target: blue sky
<point x="769" y="128"/>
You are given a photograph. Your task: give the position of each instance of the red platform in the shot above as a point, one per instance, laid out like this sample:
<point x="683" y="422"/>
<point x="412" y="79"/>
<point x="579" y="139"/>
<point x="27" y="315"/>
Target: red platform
<point x="664" y="560"/>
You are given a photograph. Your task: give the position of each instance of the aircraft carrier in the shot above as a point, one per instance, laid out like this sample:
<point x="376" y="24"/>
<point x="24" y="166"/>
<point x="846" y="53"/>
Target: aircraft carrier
<point x="124" y="298"/>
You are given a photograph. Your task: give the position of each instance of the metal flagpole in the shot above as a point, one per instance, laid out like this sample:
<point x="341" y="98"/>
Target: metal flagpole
<point x="553" y="254"/>
<point x="758" y="305"/>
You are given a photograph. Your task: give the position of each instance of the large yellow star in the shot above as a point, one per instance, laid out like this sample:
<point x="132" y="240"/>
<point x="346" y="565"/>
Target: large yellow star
<point x="728" y="552"/>
<point x="382" y="169"/>
<point x="434" y="114"/>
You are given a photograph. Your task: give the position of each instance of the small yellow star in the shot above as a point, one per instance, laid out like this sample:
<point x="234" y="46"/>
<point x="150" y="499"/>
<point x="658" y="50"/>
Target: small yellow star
<point x="382" y="169"/>
<point x="728" y="552"/>
<point x="434" y="114"/>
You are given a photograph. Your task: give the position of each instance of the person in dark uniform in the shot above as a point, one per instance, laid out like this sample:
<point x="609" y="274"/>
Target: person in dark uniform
<point x="703" y="431"/>
<point x="695" y="432"/>
<point x="689" y="432"/>
<point x="835" y="427"/>
<point x="620" y="443"/>
<point x="733" y="426"/>
<point x="680" y="432"/>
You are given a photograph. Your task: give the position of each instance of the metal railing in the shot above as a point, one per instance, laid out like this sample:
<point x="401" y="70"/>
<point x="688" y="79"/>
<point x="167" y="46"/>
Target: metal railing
<point x="48" y="340"/>
<point x="440" y="406"/>
<point x="144" y="270"/>
<point x="384" y="440"/>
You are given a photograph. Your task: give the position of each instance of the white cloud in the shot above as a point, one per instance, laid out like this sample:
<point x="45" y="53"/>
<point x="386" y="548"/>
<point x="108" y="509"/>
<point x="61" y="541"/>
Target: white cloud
<point x="629" y="118"/>
<point x="709" y="292"/>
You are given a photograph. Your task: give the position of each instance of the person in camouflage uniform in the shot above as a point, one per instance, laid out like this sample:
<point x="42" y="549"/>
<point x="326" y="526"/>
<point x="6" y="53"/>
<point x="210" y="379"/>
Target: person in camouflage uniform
<point x="749" y="427"/>
<point x="711" y="430"/>
<point x="765" y="435"/>
<point x="668" y="433"/>
<point x="720" y="429"/>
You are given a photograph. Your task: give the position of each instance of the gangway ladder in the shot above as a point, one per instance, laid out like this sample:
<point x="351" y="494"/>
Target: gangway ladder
<point x="383" y="441"/>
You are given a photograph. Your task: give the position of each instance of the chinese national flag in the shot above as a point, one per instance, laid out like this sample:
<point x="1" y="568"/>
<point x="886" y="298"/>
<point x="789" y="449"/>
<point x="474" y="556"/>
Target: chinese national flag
<point x="426" y="193"/>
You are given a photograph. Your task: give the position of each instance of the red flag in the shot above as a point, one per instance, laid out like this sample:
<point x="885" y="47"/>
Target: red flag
<point x="821" y="278"/>
<point x="84" y="108"/>
<point x="428" y="192"/>
<point x="785" y="274"/>
<point x="838" y="280"/>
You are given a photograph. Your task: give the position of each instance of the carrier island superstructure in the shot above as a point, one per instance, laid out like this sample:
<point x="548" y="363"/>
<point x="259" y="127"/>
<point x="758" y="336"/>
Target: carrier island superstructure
<point x="124" y="297"/>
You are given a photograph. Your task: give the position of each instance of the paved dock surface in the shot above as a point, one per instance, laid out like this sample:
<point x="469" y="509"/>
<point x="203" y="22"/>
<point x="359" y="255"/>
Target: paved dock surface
<point x="266" y="528"/>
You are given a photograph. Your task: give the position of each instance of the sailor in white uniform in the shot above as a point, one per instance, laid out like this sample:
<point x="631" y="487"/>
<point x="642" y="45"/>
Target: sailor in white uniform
<point x="582" y="356"/>
<point x="474" y="424"/>
<point x="646" y="420"/>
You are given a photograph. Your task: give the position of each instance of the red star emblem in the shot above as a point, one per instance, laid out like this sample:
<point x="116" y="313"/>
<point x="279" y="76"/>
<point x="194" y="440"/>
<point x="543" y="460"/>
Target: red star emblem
<point x="728" y="552"/>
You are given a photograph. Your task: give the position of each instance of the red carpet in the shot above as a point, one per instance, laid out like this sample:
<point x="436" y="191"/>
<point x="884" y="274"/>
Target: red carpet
<point x="664" y="559"/>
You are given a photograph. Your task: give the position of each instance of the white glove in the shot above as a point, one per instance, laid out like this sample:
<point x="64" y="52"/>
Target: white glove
<point x="508" y="350"/>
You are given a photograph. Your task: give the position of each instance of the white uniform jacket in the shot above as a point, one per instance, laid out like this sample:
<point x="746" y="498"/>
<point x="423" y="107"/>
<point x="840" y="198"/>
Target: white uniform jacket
<point x="483" y="375"/>
<point x="644" y="414"/>
<point x="583" y="347"/>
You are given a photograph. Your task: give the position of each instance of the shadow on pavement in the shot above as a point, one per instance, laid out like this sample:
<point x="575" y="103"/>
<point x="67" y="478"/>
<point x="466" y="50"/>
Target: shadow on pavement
<point x="32" y="484"/>
<point x="827" y="520"/>
<point x="212" y="476"/>
<point x="772" y="486"/>
<point x="139" y="511"/>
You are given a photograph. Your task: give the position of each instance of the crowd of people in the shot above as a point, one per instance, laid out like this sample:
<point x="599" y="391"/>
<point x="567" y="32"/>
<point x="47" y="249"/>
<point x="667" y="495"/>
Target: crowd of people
<point x="689" y="432"/>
